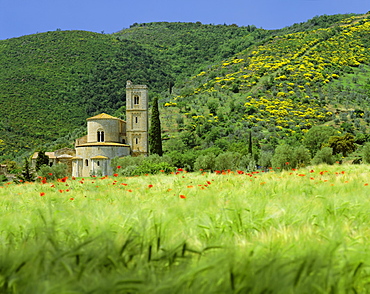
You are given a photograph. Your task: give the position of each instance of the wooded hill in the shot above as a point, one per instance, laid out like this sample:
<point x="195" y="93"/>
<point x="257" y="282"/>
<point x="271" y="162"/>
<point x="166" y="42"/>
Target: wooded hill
<point x="216" y="82"/>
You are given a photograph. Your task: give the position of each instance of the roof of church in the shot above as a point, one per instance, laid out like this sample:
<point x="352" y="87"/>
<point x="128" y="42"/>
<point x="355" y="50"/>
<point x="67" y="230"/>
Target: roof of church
<point x="103" y="116"/>
<point x="103" y="144"/>
<point x="99" y="157"/>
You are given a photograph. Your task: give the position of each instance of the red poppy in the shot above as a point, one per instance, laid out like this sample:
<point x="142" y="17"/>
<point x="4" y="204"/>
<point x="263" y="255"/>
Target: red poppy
<point x="312" y="171"/>
<point x="180" y="169"/>
<point x="42" y="194"/>
<point x="43" y="180"/>
<point x="52" y="186"/>
<point x="182" y="196"/>
<point x="71" y="198"/>
<point x="50" y="174"/>
<point x="129" y="190"/>
<point x="366" y="184"/>
<point x="60" y="191"/>
<point x="119" y="167"/>
<point x="150" y="186"/>
<point x="124" y="184"/>
<point x="208" y="182"/>
<point x="287" y="163"/>
<point x="115" y="175"/>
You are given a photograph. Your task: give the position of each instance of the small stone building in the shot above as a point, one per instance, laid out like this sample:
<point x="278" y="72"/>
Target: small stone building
<point x="63" y="155"/>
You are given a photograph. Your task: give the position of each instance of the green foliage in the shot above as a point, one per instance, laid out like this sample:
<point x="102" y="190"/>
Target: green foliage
<point x="300" y="157"/>
<point x="265" y="159"/>
<point x="41" y="159"/>
<point x="228" y="160"/>
<point x="3" y="178"/>
<point x="132" y="166"/>
<point x="287" y="157"/>
<point x="205" y="162"/>
<point x="282" y="157"/>
<point x="57" y="171"/>
<point x="155" y="135"/>
<point x="58" y="79"/>
<point x="277" y="84"/>
<point x="27" y="174"/>
<point x="342" y="144"/>
<point x="317" y="136"/>
<point x="324" y="155"/>
<point x="366" y="152"/>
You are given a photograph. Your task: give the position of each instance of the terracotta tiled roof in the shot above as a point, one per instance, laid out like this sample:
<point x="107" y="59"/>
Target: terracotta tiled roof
<point x="102" y="144"/>
<point x="103" y="116"/>
<point x="99" y="157"/>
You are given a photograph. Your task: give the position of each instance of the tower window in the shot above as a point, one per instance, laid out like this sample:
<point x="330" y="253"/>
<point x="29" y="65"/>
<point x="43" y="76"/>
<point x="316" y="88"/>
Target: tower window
<point x="86" y="162"/>
<point x="136" y="140"/>
<point x="100" y="136"/>
<point x="98" y="163"/>
<point x="136" y="100"/>
<point x="136" y="119"/>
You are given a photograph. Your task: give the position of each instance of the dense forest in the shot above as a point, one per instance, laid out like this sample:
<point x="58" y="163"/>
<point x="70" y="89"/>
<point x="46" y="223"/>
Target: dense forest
<point x="230" y="88"/>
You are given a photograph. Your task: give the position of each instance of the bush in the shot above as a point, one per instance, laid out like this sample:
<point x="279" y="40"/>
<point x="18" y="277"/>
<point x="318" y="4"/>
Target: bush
<point x="366" y="152"/>
<point x="205" y="162"/>
<point x="184" y="160"/>
<point x="228" y="160"/>
<point x="265" y="159"/>
<point x="131" y="166"/>
<point x="325" y="155"/>
<point x="56" y="171"/>
<point x="3" y="178"/>
<point x="247" y="163"/>
<point x="300" y="157"/>
<point x="282" y="157"/>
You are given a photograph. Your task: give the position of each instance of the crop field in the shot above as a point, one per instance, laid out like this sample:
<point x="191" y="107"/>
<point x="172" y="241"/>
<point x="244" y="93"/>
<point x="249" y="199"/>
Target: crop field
<point x="297" y="231"/>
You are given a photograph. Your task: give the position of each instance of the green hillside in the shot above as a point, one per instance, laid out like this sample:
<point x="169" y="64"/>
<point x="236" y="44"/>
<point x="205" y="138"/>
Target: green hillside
<point x="282" y="87"/>
<point x="217" y="83"/>
<point x="51" y="82"/>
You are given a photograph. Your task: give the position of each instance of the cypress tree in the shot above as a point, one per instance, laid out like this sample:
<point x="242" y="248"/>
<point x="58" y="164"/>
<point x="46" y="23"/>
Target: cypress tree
<point x="155" y="138"/>
<point x="41" y="159"/>
<point x="27" y="174"/>
<point x="250" y="143"/>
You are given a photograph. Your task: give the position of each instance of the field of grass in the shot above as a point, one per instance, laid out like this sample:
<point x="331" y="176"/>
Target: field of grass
<point x="299" y="231"/>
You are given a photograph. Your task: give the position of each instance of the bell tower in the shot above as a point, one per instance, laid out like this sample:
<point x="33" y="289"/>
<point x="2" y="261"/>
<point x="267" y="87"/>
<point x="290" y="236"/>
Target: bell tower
<point x="137" y="118"/>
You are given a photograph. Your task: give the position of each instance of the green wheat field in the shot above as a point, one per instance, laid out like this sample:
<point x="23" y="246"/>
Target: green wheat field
<point x="298" y="231"/>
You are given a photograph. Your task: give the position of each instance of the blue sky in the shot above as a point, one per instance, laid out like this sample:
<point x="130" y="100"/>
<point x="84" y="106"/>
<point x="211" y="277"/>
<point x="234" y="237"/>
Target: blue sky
<point x="24" y="17"/>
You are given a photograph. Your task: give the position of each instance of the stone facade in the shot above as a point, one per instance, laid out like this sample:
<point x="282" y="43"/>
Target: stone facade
<point x="137" y="118"/>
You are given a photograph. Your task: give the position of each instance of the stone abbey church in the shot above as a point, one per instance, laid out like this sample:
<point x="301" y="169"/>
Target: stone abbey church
<point x="108" y="137"/>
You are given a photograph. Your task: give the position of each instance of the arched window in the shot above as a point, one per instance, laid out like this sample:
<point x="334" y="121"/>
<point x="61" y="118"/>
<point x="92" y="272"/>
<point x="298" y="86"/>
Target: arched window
<point x="136" y="140"/>
<point x="98" y="163"/>
<point x="100" y="136"/>
<point x="136" y="100"/>
<point x="136" y="119"/>
<point x="86" y="162"/>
